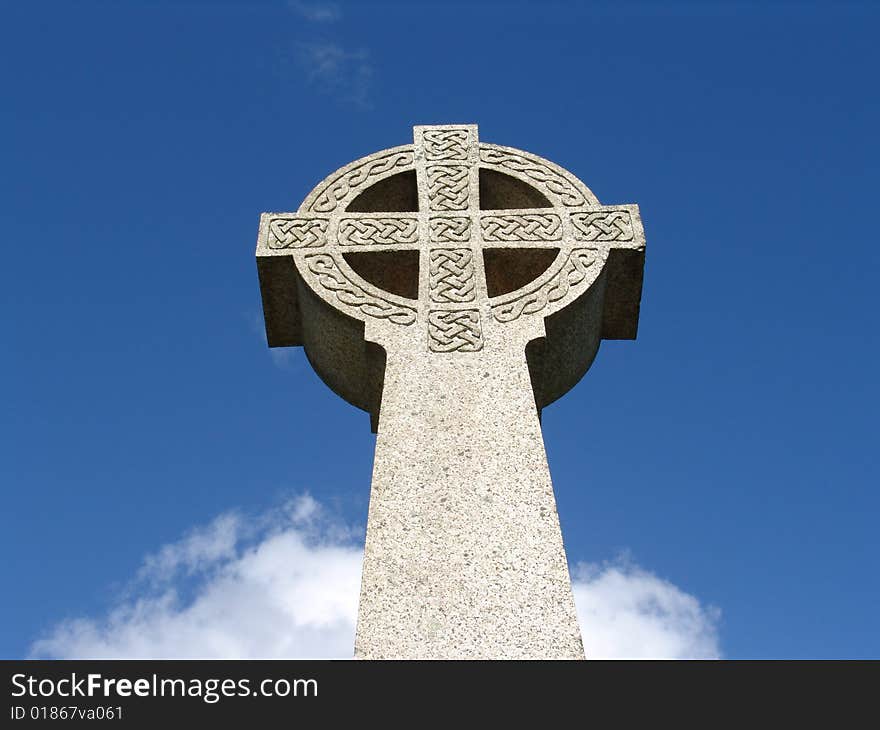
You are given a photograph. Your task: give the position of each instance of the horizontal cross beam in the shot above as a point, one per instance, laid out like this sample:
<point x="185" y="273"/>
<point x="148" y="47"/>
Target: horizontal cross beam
<point x="283" y="233"/>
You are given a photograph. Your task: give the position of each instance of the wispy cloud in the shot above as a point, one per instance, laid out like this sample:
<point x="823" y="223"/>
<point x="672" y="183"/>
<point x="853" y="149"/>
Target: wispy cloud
<point x="337" y="71"/>
<point x="317" y="12"/>
<point x="284" y="584"/>
<point x="330" y="66"/>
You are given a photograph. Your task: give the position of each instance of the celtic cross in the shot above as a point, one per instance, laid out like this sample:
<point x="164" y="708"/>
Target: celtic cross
<point x="452" y="289"/>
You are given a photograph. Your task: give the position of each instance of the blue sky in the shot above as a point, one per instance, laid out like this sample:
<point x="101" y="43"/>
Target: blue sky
<point x="726" y="459"/>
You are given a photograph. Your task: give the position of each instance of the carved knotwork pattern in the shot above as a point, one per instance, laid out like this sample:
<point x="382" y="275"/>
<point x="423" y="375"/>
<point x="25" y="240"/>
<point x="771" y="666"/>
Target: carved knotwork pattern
<point x="336" y="191"/>
<point x="371" y="231"/>
<point x="573" y="272"/>
<point x="527" y="227"/>
<point x="542" y="174"/>
<point x="454" y="331"/>
<point x="448" y="234"/>
<point x="296" y="232"/>
<point x="450" y="230"/>
<point x="331" y="277"/>
<point x="448" y="187"/>
<point x="446" y="144"/>
<point x="451" y="275"/>
<point x="615" y="225"/>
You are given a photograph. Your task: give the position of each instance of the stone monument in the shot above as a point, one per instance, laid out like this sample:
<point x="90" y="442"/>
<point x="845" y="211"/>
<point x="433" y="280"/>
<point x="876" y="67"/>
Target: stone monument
<point x="452" y="289"/>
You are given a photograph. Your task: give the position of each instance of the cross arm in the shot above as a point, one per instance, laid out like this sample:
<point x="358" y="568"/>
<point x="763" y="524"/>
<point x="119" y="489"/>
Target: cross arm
<point x="620" y="228"/>
<point x="617" y="228"/>
<point x="282" y="234"/>
<point x="278" y="236"/>
<point x="617" y="225"/>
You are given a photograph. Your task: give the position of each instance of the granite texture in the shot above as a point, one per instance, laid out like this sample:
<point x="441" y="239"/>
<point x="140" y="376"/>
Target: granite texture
<point x="384" y="275"/>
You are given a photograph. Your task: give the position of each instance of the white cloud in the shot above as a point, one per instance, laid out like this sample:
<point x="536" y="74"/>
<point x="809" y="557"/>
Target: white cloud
<point x="281" y="584"/>
<point x="201" y="547"/>
<point x="628" y="613"/>
<point x="285" y="584"/>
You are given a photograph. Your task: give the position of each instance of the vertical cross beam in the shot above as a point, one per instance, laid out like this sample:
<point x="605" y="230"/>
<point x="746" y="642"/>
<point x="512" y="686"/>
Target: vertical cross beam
<point x="447" y="171"/>
<point x="464" y="555"/>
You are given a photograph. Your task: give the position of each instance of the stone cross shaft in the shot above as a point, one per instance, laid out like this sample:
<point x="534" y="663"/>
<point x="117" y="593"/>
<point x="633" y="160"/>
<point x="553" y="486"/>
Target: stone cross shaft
<point x="452" y="289"/>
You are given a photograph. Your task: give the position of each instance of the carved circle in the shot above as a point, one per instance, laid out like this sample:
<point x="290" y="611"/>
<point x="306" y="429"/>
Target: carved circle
<point x="577" y="263"/>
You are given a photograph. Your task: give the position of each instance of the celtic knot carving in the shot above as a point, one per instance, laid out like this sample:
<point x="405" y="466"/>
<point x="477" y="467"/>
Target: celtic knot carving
<point x="451" y="275"/>
<point x="291" y="232"/>
<point x="553" y="181"/>
<point x="367" y="231"/>
<point x="339" y="188"/>
<point x="615" y="225"/>
<point x="454" y="331"/>
<point x="573" y="272"/>
<point x="330" y="276"/>
<point x="448" y="187"/>
<point x="450" y="230"/>
<point x="445" y="144"/>
<point x="528" y="227"/>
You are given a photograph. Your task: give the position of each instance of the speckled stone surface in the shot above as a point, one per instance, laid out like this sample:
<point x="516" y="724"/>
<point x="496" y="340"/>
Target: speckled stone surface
<point x="452" y="289"/>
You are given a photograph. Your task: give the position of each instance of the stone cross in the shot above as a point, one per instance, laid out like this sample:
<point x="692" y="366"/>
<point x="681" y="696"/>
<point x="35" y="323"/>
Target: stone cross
<point x="452" y="289"/>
